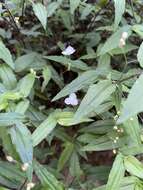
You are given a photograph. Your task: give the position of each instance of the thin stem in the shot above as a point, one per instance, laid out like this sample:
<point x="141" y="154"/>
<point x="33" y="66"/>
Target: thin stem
<point x="130" y="77"/>
<point x="125" y="66"/>
<point x="23" y="184"/>
<point x="23" y="7"/>
<point x="132" y="7"/>
<point x="12" y="18"/>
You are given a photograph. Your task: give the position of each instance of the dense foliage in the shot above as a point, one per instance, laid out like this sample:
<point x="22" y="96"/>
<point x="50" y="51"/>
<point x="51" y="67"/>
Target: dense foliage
<point x="71" y="94"/>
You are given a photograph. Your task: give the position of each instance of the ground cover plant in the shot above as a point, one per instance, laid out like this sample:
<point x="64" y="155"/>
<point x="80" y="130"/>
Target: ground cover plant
<point x="71" y="94"/>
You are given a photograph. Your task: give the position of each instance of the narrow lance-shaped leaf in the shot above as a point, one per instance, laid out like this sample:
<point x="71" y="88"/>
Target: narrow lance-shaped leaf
<point x="119" y="10"/>
<point x="5" y="55"/>
<point x="96" y="95"/>
<point x="26" y="84"/>
<point x="74" y="5"/>
<point x="133" y="166"/>
<point x="133" y="129"/>
<point x="47" y="76"/>
<point x="116" y="174"/>
<point x="44" y="129"/>
<point x="75" y="169"/>
<point x="80" y="82"/>
<point x="65" y="156"/>
<point x="134" y="103"/>
<point x="7" y="76"/>
<point x="10" y="118"/>
<point x="21" y="138"/>
<point x="22" y="106"/>
<point x="72" y="64"/>
<point x="41" y="13"/>
<point x="140" y="55"/>
<point x="47" y="179"/>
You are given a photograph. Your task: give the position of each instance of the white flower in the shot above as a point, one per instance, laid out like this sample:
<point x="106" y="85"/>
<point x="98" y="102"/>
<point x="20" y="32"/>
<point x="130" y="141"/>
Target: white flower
<point x="122" y="43"/>
<point x="68" y="51"/>
<point x="124" y="35"/>
<point x="9" y="158"/>
<point x="30" y="186"/>
<point x="71" y="100"/>
<point x="25" y="167"/>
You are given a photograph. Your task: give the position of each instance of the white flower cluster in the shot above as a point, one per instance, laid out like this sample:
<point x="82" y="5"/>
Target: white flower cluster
<point x="123" y="38"/>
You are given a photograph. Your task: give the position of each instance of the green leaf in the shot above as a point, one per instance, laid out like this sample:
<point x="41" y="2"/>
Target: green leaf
<point x="65" y="156"/>
<point x="74" y="5"/>
<point x="113" y="41"/>
<point x="7" y="76"/>
<point x="138" y="28"/>
<point x="73" y="64"/>
<point x="22" y="106"/>
<point x="51" y="8"/>
<point x="66" y="118"/>
<point x="75" y="169"/>
<point x="139" y="55"/>
<point x="95" y="96"/>
<point x="10" y="175"/>
<point x="41" y="13"/>
<point x="47" y="179"/>
<point x="25" y="85"/>
<point x="31" y="60"/>
<point x="44" y="129"/>
<point x="47" y="76"/>
<point x="119" y="11"/>
<point x="105" y="143"/>
<point x="133" y="129"/>
<point x="133" y="166"/>
<point x="21" y="138"/>
<point x="10" y="118"/>
<point x="116" y="174"/>
<point x="128" y="183"/>
<point x="5" y="55"/>
<point x="84" y="80"/>
<point x="134" y="103"/>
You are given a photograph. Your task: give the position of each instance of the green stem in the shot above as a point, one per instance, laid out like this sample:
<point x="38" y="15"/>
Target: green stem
<point x="132" y="7"/>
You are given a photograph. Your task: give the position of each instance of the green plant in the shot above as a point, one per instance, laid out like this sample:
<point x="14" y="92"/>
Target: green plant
<point x="71" y="87"/>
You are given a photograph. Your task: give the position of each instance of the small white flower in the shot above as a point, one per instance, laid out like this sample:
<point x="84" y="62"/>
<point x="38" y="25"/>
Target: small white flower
<point x="68" y="51"/>
<point x="124" y="35"/>
<point x="30" y="186"/>
<point x="71" y="100"/>
<point x="122" y="43"/>
<point x="9" y="159"/>
<point x="25" y="167"/>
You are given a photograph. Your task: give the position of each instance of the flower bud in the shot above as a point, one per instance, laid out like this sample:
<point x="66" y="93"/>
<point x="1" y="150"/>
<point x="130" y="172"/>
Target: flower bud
<point x="9" y="158"/>
<point x="25" y="167"/>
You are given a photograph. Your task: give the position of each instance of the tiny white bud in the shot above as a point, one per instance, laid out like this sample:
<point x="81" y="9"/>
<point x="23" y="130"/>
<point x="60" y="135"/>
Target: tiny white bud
<point x="122" y="43"/>
<point x="118" y="112"/>
<point x="25" y="167"/>
<point x="117" y="138"/>
<point x="124" y="35"/>
<point x="115" y="141"/>
<point x="9" y="159"/>
<point x="32" y="71"/>
<point x="115" y="117"/>
<point x="122" y="130"/>
<point x="17" y="20"/>
<point x="30" y="186"/>
<point x="115" y="127"/>
<point x="114" y="151"/>
<point x="131" y="119"/>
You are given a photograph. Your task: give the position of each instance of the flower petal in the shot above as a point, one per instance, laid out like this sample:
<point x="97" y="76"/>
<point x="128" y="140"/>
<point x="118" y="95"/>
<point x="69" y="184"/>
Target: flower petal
<point x="68" y="51"/>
